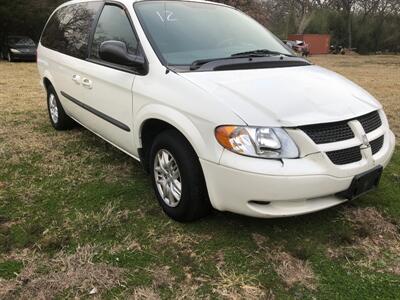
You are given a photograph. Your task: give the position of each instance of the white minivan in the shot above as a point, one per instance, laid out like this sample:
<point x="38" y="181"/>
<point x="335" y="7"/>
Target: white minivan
<point x="218" y="110"/>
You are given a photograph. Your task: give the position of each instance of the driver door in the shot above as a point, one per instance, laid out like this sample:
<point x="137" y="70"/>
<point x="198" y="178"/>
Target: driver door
<point x="107" y="88"/>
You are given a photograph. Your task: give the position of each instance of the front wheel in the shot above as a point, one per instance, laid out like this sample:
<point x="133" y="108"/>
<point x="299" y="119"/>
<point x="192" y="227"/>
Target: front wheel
<point x="177" y="178"/>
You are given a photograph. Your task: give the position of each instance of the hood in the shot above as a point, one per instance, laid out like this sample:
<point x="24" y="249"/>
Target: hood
<point x="286" y="97"/>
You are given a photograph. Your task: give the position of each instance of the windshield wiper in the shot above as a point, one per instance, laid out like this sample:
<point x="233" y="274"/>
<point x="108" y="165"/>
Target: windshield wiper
<point x="254" y="53"/>
<point x="259" y="53"/>
<point x="198" y="63"/>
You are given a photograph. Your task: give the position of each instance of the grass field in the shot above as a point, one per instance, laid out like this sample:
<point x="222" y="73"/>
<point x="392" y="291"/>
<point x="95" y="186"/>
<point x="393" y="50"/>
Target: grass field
<point x="79" y="219"/>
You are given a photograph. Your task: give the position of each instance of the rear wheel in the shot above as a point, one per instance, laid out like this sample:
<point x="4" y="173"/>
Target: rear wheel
<point x="58" y="118"/>
<point x="177" y="178"/>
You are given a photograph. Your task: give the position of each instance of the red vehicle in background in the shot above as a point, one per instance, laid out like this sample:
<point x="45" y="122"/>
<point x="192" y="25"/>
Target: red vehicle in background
<point x="299" y="47"/>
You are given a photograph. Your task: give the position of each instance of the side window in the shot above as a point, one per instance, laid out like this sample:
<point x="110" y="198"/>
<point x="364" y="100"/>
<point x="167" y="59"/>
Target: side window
<point x="113" y="25"/>
<point x="68" y="30"/>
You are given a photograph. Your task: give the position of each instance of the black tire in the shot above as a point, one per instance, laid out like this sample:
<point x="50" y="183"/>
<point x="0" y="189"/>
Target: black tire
<point x="194" y="203"/>
<point x="63" y="121"/>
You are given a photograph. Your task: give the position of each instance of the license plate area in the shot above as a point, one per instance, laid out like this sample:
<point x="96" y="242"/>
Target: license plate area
<point x="363" y="183"/>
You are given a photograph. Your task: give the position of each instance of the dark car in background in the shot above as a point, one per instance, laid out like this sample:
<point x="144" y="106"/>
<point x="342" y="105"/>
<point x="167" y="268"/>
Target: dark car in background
<point x="21" y="48"/>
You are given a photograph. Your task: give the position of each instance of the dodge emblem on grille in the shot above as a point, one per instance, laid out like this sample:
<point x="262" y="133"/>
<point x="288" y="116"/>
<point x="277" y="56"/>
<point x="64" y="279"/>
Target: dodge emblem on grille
<point x="365" y="140"/>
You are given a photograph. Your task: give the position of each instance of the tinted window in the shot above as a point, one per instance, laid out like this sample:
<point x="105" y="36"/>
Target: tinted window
<point x="113" y="25"/>
<point x="69" y="29"/>
<point x="21" y="41"/>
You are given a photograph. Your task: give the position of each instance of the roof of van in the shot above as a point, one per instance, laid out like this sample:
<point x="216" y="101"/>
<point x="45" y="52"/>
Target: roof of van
<point x="130" y="2"/>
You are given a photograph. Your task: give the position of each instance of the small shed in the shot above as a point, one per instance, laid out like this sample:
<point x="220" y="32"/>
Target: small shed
<point x="318" y="43"/>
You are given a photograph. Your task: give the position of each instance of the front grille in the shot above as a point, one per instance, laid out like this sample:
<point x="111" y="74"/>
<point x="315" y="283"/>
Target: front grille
<point x="329" y="133"/>
<point x="341" y="131"/>
<point x="345" y="156"/>
<point x="370" y="122"/>
<point x="376" y="145"/>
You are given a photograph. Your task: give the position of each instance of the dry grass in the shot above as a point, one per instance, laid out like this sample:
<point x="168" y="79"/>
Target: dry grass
<point x="227" y="284"/>
<point x="164" y="279"/>
<point x="377" y="241"/>
<point x="292" y="270"/>
<point x="379" y="75"/>
<point x="26" y="135"/>
<point x="23" y="126"/>
<point x="144" y="294"/>
<point x="127" y="244"/>
<point x="108" y="216"/>
<point x="75" y="274"/>
<point x="182" y="241"/>
<point x="231" y="285"/>
<point x="162" y="276"/>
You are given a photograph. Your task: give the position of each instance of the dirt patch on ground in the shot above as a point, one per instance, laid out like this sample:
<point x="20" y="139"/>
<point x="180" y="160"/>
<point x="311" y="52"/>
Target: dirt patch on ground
<point x="74" y="274"/>
<point x="292" y="270"/>
<point x="376" y="244"/>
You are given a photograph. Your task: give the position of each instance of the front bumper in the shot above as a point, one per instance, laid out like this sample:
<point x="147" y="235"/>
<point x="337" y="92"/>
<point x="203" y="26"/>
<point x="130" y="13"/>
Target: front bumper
<point x="24" y="56"/>
<point x="269" y="188"/>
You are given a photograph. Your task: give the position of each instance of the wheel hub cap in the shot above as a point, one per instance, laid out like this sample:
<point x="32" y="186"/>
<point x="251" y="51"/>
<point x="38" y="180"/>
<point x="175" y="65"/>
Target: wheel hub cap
<point x="168" y="178"/>
<point x="53" y="108"/>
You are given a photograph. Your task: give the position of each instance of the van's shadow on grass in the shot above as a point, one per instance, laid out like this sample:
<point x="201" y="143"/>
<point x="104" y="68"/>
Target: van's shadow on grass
<point x="114" y="155"/>
<point x="132" y="190"/>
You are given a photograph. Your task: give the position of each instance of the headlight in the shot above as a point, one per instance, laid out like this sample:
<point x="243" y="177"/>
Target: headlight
<point x="15" y="51"/>
<point x="260" y="142"/>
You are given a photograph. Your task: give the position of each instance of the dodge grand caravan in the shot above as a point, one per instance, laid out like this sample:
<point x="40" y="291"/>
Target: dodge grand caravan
<point x="220" y="112"/>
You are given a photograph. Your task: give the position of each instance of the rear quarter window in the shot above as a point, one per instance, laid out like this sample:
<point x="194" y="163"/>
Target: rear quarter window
<point x="68" y="30"/>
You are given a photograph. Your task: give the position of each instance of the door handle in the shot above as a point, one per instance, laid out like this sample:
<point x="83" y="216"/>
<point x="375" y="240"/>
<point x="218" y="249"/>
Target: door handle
<point x="76" y="79"/>
<point x="87" y="83"/>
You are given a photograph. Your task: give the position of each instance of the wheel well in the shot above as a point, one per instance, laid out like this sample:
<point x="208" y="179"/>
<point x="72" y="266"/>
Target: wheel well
<point x="46" y="83"/>
<point x="150" y="129"/>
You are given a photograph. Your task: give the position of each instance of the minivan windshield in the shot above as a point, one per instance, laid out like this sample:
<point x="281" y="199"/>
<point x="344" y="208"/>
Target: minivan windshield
<point x="182" y="32"/>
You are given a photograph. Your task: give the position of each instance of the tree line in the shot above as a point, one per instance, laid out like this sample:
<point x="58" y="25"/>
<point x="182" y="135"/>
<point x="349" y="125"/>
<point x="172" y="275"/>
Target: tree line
<point x="364" y="25"/>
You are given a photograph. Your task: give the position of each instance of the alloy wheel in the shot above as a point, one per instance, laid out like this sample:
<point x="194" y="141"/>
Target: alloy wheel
<point x="53" y="108"/>
<point x="168" y="178"/>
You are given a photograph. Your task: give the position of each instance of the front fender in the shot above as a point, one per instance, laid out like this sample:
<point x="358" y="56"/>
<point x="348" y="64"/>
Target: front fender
<point x="202" y="141"/>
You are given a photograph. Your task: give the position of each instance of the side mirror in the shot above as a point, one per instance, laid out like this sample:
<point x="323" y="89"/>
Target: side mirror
<point x="116" y="52"/>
